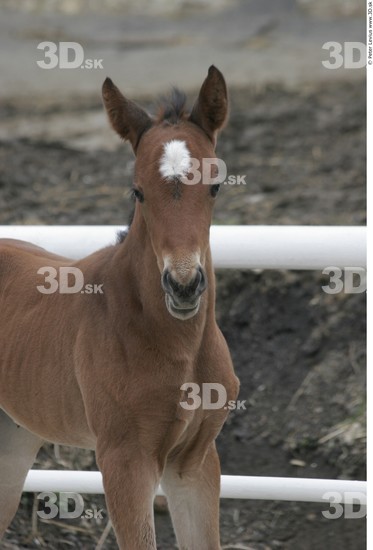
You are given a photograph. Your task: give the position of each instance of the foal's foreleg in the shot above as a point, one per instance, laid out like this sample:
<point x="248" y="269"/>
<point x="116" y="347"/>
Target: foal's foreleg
<point x="18" y="449"/>
<point x="193" y="492"/>
<point x="130" y="481"/>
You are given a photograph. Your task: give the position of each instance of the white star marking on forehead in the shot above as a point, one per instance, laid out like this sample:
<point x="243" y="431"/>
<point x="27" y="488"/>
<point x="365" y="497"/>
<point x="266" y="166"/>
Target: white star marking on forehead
<point x="175" y="161"/>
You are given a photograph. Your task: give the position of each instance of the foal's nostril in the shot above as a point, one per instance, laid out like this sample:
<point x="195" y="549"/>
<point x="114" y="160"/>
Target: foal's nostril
<point x="193" y="285"/>
<point x="166" y="279"/>
<point x="184" y="292"/>
<point x="202" y="280"/>
<point x="173" y="285"/>
<point x="169" y="284"/>
<point x="198" y="285"/>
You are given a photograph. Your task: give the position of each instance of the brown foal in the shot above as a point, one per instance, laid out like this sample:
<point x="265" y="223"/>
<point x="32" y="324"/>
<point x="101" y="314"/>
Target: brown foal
<point x="107" y="371"/>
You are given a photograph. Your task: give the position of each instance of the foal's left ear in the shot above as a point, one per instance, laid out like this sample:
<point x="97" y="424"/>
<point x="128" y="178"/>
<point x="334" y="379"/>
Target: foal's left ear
<point x="126" y="117"/>
<point x="211" y="108"/>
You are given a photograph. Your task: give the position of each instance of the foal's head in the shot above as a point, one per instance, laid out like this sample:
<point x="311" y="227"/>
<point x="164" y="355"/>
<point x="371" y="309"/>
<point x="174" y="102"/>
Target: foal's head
<point x="177" y="211"/>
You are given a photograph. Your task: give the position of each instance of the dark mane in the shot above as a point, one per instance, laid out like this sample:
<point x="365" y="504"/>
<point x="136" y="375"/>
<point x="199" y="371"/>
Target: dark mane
<point x="122" y="233"/>
<point x="172" y="107"/>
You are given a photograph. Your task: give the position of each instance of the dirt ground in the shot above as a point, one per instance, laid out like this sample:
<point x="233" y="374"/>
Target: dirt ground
<point x="299" y="353"/>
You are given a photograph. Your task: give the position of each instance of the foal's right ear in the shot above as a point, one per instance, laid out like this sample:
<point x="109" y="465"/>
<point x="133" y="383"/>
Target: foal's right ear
<point x="126" y="117"/>
<point x="211" y="108"/>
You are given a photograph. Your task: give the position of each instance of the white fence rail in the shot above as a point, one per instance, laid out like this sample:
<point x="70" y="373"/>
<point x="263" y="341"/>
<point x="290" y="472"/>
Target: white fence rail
<point x="241" y="487"/>
<point x="233" y="246"/>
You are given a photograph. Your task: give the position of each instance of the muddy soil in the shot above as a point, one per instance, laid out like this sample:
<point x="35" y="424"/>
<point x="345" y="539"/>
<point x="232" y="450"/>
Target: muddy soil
<point x="299" y="352"/>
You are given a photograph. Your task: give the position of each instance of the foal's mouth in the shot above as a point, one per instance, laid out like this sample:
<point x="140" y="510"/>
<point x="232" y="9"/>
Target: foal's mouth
<point x="183" y="300"/>
<point x="182" y="311"/>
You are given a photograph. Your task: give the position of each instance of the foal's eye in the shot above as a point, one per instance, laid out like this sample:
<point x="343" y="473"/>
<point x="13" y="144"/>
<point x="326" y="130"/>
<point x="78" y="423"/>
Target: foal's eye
<point x="215" y="189"/>
<point x="137" y="194"/>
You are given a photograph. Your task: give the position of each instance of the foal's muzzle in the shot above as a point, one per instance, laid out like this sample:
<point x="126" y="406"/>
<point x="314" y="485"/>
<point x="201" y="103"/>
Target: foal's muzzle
<point x="183" y="301"/>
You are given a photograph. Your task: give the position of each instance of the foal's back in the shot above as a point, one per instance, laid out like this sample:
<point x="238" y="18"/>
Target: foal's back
<point x="17" y="254"/>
